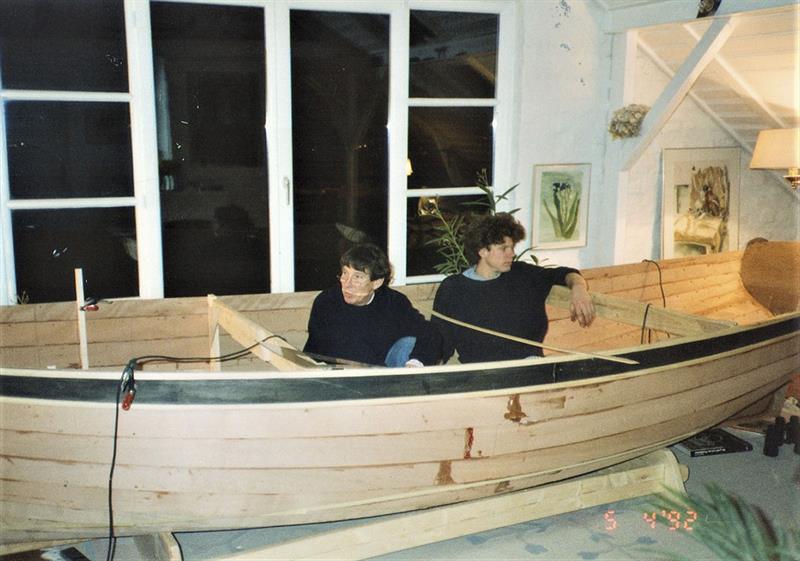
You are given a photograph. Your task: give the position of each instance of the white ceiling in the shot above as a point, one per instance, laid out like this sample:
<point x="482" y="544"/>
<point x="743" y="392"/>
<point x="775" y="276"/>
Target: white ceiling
<point x="753" y="82"/>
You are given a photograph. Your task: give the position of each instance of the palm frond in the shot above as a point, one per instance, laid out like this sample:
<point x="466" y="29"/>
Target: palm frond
<point x="731" y="528"/>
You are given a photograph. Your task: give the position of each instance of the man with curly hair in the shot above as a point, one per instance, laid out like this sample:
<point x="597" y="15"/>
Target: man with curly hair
<point x="502" y="294"/>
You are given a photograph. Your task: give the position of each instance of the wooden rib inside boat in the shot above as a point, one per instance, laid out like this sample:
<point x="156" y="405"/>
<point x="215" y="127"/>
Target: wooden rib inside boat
<point x="275" y="438"/>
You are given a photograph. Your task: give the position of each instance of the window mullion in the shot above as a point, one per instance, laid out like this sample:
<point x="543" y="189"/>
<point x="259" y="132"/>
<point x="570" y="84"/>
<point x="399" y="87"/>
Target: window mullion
<point x="398" y="142"/>
<point x="505" y="126"/>
<point x="279" y="146"/>
<point x="8" y="285"/>
<point x="144" y="145"/>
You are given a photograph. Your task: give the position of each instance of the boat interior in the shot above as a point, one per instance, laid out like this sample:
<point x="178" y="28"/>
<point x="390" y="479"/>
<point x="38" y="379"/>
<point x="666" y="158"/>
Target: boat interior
<point x="637" y="303"/>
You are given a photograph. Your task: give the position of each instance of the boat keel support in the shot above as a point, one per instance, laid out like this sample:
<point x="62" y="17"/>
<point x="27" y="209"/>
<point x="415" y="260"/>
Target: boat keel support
<point x="645" y="475"/>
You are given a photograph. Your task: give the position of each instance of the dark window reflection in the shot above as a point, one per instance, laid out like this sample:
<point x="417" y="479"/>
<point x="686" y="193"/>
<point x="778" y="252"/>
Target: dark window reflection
<point x="453" y="54"/>
<point x="60" y="149"/>
<point x="339" y="115"/>
<point x="48" y="248"/>
<point x="424" y="228"/>
<point x="449" y="146"/>
<point x="210" y="106"/>
<point x="63" y="45"/>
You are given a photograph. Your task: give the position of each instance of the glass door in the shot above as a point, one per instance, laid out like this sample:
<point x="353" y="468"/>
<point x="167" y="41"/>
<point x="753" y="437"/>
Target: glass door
<point x="209" y="73"/>
<point x="339" y="97"/>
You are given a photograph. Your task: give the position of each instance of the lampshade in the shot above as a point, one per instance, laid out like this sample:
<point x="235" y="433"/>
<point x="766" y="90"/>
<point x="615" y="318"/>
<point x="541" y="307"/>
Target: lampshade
<point x="778" y="149"/>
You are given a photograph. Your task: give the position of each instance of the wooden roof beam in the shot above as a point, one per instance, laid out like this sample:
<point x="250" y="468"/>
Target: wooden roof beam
<point x="702" y="54"/>
<point x="742" y="85"/>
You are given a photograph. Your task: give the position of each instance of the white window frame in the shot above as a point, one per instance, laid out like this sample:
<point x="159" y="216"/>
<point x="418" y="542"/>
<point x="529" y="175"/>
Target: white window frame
<point x="141" y="101"/>
<point x="503" y="143"/>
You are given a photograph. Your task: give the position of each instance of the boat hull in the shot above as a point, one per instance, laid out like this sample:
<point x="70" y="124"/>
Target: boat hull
<point x="204" y="451"/>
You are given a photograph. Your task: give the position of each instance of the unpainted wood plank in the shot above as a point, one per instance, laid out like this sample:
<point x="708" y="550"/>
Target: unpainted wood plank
<point x="281" y="320"/>
<point x="147" y="328"/>
<point x="60" y="356"/>
<point x="17" y="334"/>
<point x="633" y="313"/>
<point x="278" y="301"/>
<point x="771" y="273"/>
<point x="214" y="329"/>
<point x="273" y="350"/>
<point x="634" y="478"/>
<point x="118" y="354"/>
<point x="17" y="313"/>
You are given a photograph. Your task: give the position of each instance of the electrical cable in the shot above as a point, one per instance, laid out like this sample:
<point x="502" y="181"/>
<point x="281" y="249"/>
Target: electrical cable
<point x="660" y="281"/>
<point x="663" y="301"/>
<point x="128" y="384"/>
<point x="644" y="323"/>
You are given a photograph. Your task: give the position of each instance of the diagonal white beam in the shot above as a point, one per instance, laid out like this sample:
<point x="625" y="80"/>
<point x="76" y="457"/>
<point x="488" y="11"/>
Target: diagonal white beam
<point x="702" y="54"/>
<point x="733" y="76"/>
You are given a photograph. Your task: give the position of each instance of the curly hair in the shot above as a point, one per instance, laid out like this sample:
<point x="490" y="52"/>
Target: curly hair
<point x="488" y="230"/>
<point x="370" y="259"/>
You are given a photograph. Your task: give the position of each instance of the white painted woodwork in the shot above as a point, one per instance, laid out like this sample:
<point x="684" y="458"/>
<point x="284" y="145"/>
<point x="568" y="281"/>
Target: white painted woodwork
<point x="702" y="54"/>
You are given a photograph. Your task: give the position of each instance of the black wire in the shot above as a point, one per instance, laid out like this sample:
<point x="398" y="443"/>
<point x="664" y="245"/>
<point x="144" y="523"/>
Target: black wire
<point x="644" y="323"/>
<point x="660" y="282"/>
<point x="663" y="296"/>
<point x="112" y="540"/>
<point x="127" y="381"/>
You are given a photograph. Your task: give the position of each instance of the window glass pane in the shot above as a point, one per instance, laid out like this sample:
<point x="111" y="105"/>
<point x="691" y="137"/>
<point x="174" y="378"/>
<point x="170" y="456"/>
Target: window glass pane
<point x="210" y="106"/>
<point x="449" y="146"/>
<point x="453" y="54"/>
<point x="339" y="114"/>
<point x="48" y="247"/>
<point x="63" y="45"/>
<point x="424" y="253"/>
<point x="60" y="149"/>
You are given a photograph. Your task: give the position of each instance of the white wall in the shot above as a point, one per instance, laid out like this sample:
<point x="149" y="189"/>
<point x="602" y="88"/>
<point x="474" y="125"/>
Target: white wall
<point x="563" y="90"/>
<point x="766" y="206"/>
<point x="564" y="83"/>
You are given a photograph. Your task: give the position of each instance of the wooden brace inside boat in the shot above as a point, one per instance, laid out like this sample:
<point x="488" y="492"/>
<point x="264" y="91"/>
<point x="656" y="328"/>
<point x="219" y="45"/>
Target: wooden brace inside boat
<point x="640" y="314"/>
<point x="271" y="348"/>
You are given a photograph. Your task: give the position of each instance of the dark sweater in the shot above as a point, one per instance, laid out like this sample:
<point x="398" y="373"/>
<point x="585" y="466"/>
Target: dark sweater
<point x="513" y="303"/>
<point x="365" y="333"/>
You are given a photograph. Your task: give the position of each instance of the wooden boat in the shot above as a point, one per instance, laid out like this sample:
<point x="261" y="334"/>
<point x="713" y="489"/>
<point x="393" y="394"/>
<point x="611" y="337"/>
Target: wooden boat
<point x="274" y="439"/>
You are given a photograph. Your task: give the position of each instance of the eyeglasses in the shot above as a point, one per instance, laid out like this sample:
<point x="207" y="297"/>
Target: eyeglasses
<point x="357" y="279"/>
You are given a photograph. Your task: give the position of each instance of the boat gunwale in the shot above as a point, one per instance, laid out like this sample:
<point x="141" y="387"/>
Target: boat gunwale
<point x="377" y="370"/>
<point x="477" y="369"/>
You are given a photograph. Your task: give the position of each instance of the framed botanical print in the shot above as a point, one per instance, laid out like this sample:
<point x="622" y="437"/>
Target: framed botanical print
<point x="560" y="205"/>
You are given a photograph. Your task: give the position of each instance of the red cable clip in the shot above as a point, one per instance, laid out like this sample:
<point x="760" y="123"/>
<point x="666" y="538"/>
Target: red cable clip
<point x="129" y="397"/>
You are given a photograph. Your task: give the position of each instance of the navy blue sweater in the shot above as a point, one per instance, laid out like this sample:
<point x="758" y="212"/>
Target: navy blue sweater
<point x="365" y="333"/>
<point x="513" y="303"/>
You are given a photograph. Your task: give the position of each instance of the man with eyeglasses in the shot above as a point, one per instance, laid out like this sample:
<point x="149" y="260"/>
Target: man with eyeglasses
<point x="364" y="320"/>
<point x="501" y="294"/>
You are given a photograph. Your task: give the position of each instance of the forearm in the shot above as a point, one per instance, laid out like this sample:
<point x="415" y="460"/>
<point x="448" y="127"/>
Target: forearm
<point x="581" y="305"/>
<point x="576" y="280"/>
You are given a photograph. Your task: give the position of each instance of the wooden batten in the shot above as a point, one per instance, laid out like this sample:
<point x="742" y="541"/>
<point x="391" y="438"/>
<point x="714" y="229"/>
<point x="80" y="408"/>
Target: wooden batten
<point x="636" y="313"/>
<point x="270" y="347"/>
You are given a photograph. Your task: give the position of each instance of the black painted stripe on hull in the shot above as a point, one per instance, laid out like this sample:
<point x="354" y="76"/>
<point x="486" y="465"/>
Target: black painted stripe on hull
<point x="372" y="386"/>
